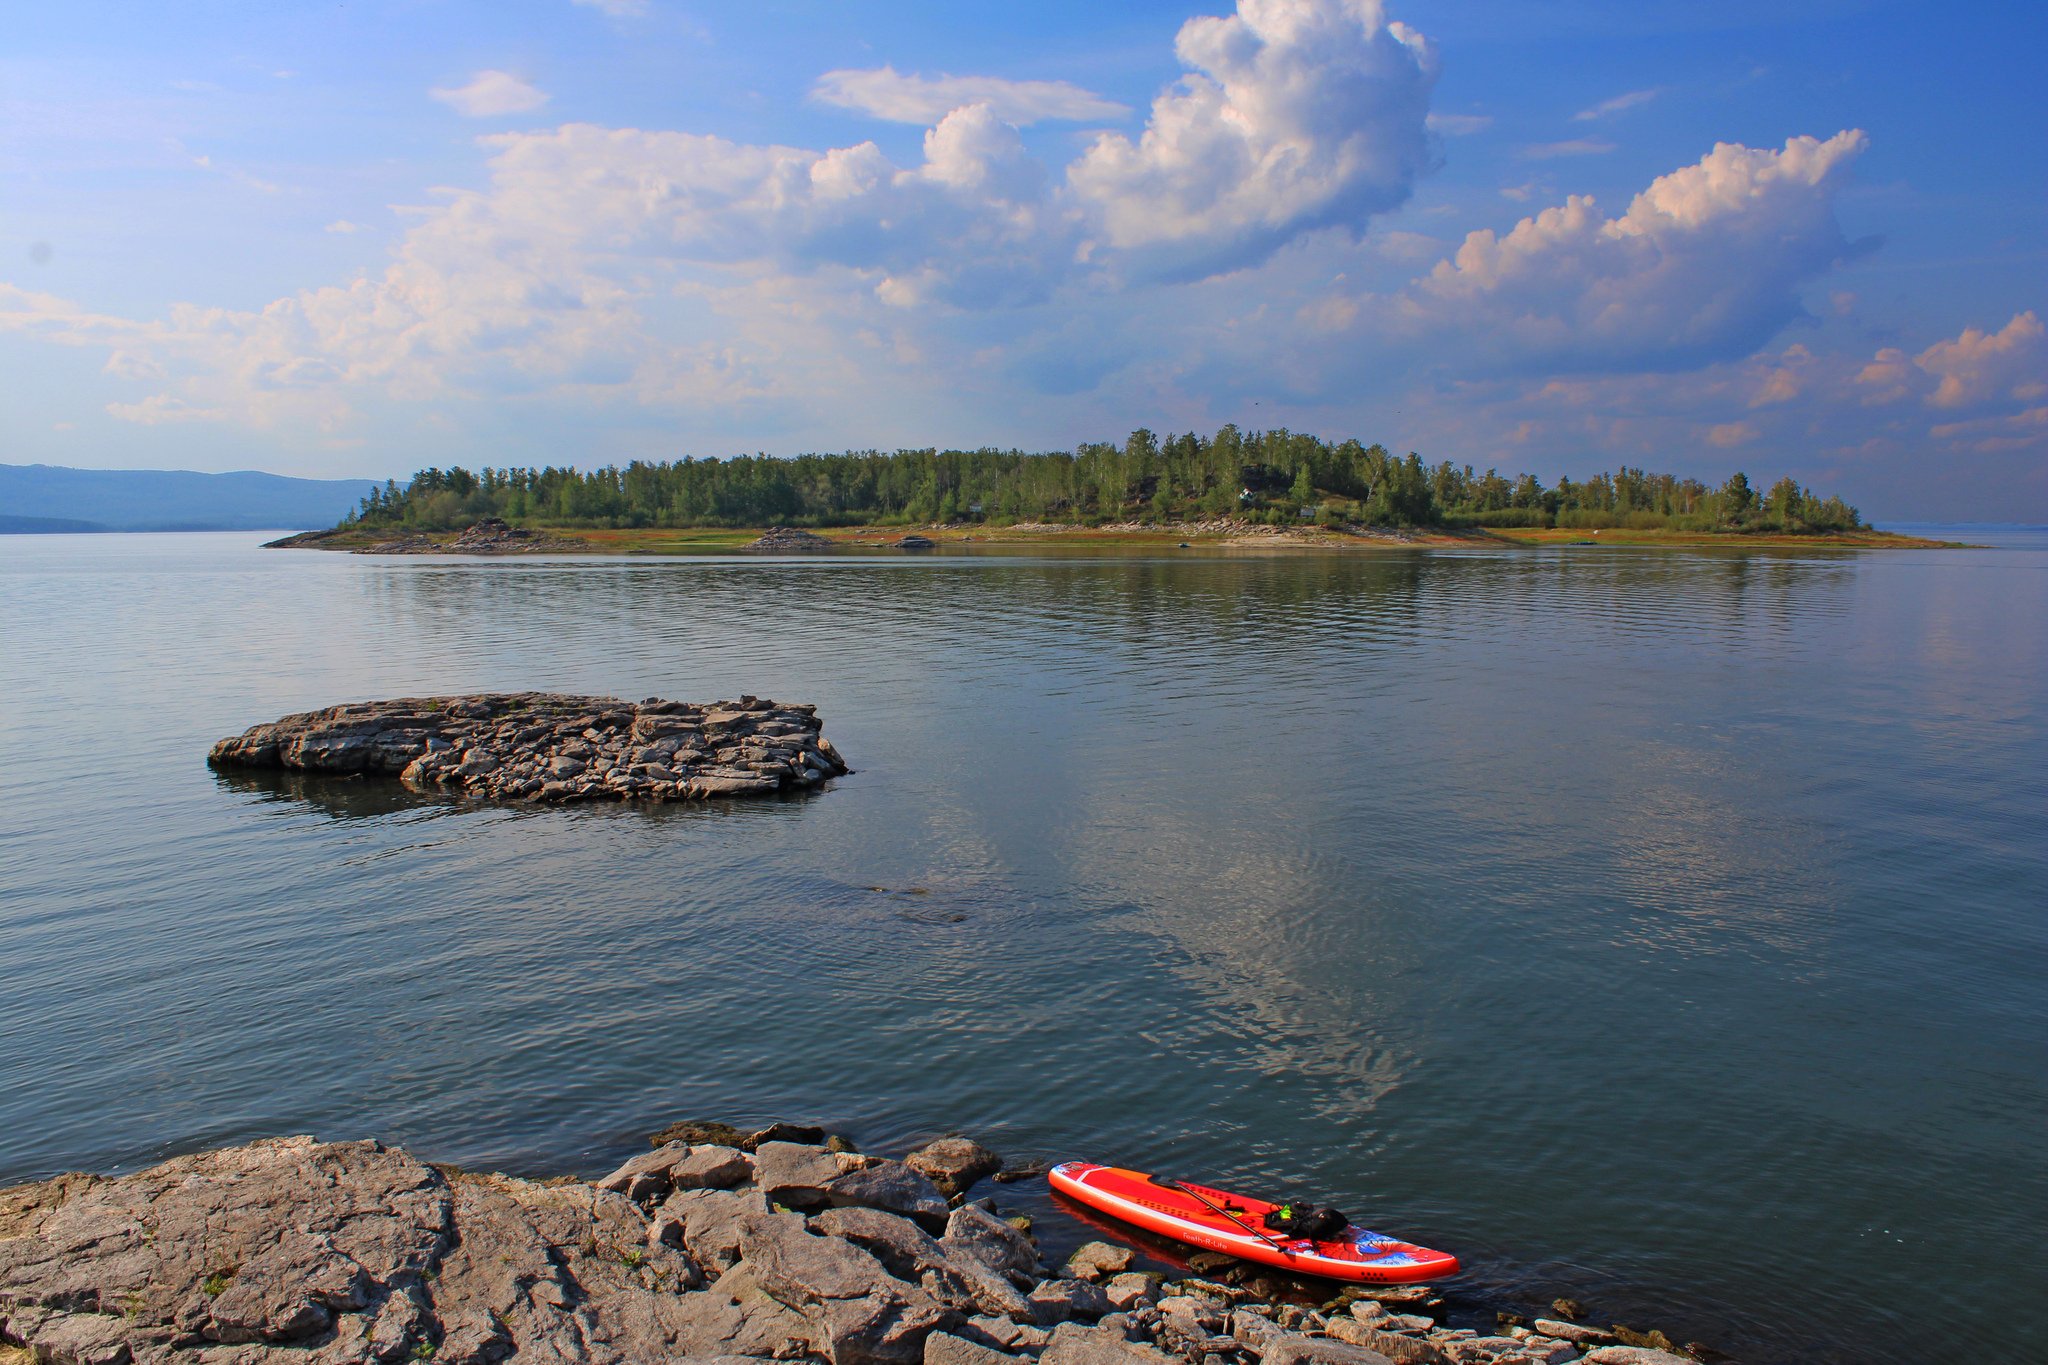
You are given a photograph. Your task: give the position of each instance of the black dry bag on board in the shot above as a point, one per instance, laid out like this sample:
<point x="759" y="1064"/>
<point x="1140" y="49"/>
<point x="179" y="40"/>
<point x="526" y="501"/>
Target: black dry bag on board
<point x="1300" y="1218"/>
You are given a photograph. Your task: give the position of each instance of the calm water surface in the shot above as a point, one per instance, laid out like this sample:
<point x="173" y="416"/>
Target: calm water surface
<point x="1666" y="928"/>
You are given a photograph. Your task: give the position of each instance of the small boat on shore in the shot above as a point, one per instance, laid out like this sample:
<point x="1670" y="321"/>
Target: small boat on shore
<point x="1236" y="1225"/>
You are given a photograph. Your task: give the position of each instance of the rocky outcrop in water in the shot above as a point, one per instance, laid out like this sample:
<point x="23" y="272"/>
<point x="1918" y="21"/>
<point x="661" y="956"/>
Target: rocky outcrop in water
<point x="545" y="746"/>
<point x="491" y="536"/>
<point x="787" y="540"/>
<point x="750" y="1248"/>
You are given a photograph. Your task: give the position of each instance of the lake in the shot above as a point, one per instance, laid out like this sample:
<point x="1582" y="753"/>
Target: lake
<point x="1666" y="928"/>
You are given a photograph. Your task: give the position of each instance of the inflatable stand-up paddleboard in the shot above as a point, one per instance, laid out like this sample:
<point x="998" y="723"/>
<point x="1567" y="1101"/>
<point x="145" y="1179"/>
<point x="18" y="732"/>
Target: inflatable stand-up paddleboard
<point x="1233" y="1224"/>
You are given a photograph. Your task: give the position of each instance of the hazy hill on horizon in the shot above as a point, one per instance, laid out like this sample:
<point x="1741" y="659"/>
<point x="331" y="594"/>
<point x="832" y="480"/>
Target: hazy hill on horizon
<point x="53" y="498"/>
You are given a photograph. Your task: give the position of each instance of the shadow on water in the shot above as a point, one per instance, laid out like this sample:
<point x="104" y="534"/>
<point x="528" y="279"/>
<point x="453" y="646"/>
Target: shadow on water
<point x="361" y="797"/>
<point x="373" y="797"/>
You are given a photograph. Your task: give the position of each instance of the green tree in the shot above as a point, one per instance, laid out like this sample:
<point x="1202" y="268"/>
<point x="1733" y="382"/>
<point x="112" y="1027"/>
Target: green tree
<point x="1304" y="490"/>
<point x="1738" y="500"/>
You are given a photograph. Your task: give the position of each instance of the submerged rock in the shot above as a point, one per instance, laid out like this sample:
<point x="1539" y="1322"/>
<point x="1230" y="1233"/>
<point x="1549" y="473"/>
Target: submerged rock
<point x="545" y="746"/>
<point x="701" y="1130"/>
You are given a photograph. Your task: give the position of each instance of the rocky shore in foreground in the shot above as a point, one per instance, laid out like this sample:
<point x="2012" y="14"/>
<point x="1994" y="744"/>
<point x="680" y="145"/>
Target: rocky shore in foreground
<point x="715" y="1246"/>
<point x="552" y="747"/>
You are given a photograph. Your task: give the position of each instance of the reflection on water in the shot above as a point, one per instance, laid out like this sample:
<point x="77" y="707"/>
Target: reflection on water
<point x="1657" y="926"/>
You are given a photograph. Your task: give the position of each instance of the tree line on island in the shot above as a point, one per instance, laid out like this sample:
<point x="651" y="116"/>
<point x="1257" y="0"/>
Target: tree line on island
<point x="1279" y="477"/>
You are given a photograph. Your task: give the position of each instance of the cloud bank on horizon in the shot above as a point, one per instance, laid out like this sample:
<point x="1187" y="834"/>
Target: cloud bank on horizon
<point x="1247" y="246"/>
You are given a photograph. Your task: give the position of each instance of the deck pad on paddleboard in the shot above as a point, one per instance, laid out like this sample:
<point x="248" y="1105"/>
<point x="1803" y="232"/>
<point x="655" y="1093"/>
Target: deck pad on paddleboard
<point x="1217" y="1220"/>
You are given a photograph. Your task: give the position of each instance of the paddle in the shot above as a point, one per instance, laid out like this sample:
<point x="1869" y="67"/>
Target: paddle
<point x="1167" y="1182"/>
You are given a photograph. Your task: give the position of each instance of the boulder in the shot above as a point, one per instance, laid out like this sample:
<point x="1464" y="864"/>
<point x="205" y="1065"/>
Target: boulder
<point x="735" y="1320"/>
<point x="1635" y="1355"/>
<point x="646" y="1176"/>
<point x="1131" y="1289"/>
<point x="943" y="1348"/>
<point x="709" y="1224"/>
<point x="1098" y="1261"/>
<point x="903" y="1248"/>
<point x="910" y="1254"/>
<point x="980" y="1236"/>
<point x="1006" y="1334"/>
<point x="1480" y="1350"/>
<point x="1073" y="1344"/>
<point x="1546" y="1350"/>
<point x="1254" y="1331"/>
<point x="859" y="1313"/>
<point x="1394" y="1346"/>
<point x="711" y="1168"/>
<point x="953" y="1163"/>
<point x="803" y="1134"/>
<point x="1573" y="1332"/>
<point x="803" y="1270"/>
<point x="1192" y="1312"/>
<point x="1054" y="1301"/>
<point x="1292" y="1348"/>
<point x="892" y="1187"/>
<point x="794" y="1174"/>
<point x="875" y="1330"/>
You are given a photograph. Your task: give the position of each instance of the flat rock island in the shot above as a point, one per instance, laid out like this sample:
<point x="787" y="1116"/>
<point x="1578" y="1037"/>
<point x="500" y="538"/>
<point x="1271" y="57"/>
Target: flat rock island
<point x="550" y="747"/>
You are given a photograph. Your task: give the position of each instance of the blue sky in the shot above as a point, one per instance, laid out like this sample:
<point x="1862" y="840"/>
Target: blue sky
<point x="1804" y="236"/>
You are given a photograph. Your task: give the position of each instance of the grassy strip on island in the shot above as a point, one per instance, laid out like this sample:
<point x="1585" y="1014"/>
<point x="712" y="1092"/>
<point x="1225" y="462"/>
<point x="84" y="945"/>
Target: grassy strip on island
<point x="1277" y="478"/>
<point x="1227" y="534"/>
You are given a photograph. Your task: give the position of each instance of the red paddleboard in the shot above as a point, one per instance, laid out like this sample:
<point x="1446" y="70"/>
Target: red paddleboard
<point x="1216" y="1220"/>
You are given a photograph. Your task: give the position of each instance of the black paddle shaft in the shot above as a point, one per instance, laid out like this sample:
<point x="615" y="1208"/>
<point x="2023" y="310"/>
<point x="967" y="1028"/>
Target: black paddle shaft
<point x="1169" y="1183"/>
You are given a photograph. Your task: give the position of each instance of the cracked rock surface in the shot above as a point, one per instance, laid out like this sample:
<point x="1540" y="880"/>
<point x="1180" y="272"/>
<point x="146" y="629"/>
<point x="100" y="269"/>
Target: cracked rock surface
<point x="550" y="747"/>
<point x="291" y="1251"/>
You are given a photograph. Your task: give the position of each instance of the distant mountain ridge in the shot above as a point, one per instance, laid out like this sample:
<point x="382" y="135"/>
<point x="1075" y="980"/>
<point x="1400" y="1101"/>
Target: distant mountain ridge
<point x="48" y="498"/>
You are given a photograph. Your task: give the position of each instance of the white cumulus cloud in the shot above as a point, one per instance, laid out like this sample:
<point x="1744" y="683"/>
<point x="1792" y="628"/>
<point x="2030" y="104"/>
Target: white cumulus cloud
<point x="1707" y="263"/>
<point x="490" y="94"/>
<point x="888" y="94"/>
<point x="1226" y="250"/>
<point x="1294" y="115"/>
<point x="1979" y="365"/>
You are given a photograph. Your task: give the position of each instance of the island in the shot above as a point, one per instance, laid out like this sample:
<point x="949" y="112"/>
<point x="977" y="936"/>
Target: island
<point x="1272" y="489"/>
<point x="553" y="748"/>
